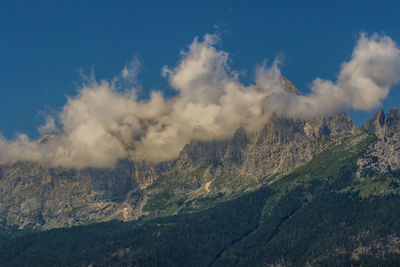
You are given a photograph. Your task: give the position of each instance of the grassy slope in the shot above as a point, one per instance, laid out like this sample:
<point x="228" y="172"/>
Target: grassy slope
<point x="319" y="214"/>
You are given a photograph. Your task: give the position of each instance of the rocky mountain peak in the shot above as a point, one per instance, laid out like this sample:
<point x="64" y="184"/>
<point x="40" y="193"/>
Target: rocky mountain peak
<point x="289" y="85"/>
<point x="392" y="120"/>
<point x="383" y="124"/>
<point x="384" y="154"/>
<point x="376" y="123"/>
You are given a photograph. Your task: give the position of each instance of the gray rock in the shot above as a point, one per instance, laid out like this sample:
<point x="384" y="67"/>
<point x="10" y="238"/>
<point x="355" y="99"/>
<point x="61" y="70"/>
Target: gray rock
<point x="383" y="155"/>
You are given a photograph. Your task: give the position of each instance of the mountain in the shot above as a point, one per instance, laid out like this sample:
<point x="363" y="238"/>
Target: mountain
<point x="384" y="155"/>
<point x="296" y="192"/>
<point x="37" y="196"/>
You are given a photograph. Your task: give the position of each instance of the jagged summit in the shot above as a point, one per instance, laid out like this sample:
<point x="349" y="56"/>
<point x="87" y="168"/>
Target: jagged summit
<point x="384" y="154"/>
<point x="286" y="83"/>
<point x="382" y="124"/>
<point x="290" y="85"/>
<point x="376" y="123"/>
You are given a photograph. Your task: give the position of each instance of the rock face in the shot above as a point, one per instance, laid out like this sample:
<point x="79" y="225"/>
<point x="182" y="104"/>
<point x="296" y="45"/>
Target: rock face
<point x="280" y="146"/>
<point x="383" y="124"/>
<point x="32" y="195"/>
<point x="384" y="154"/>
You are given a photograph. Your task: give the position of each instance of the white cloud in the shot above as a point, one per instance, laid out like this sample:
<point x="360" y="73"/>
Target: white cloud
<point x="102" y="125"/>
<point x="49" y="127"/>
<point x="362" y="84"/>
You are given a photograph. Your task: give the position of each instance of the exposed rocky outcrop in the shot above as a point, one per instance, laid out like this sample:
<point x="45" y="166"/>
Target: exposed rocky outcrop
<point x="280" y="146"/>
<point x="384" y="125"/>
<point x="34" y="195"/>
<point x="384" y="154"/>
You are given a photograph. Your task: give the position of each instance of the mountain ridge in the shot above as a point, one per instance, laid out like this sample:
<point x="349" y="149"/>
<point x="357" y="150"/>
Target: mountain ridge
<point x="39" y="197"/>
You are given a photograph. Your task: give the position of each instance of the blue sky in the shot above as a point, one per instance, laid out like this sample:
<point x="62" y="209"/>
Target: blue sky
<point x="44" y="44"/>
